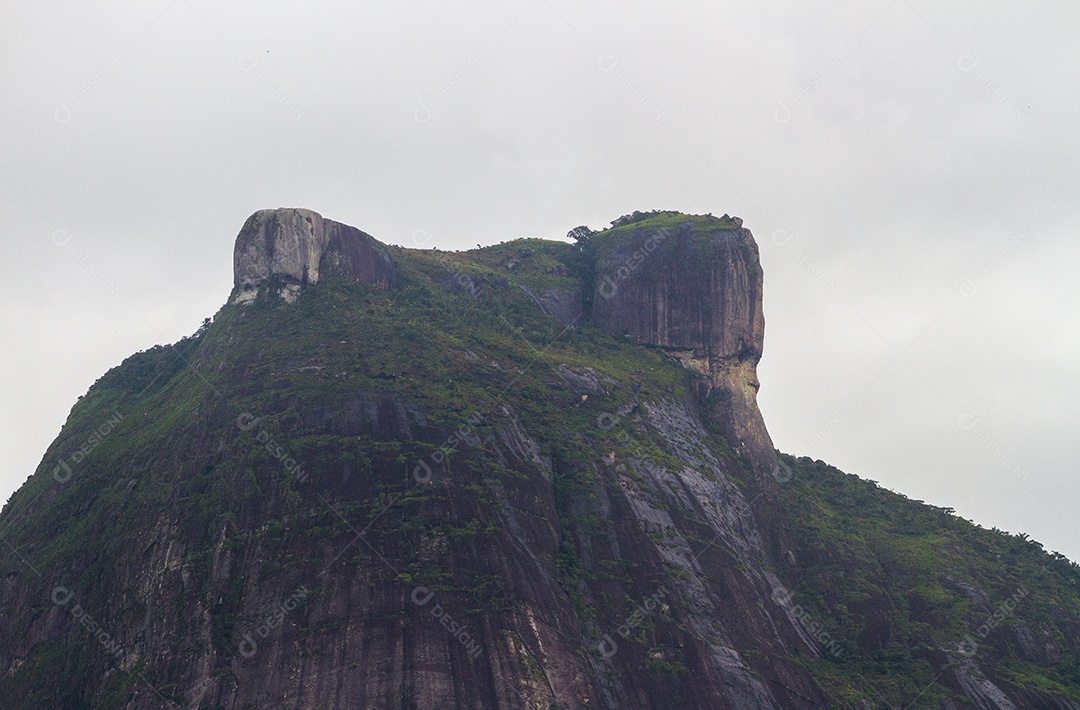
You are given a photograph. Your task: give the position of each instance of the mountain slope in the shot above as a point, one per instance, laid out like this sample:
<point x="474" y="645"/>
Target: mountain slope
<point x="527" y="476"/>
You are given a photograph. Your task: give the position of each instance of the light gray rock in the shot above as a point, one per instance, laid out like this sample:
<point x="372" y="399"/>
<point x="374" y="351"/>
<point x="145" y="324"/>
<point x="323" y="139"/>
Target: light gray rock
<point x="284" y="243"/>
<point x="294" y="247"/>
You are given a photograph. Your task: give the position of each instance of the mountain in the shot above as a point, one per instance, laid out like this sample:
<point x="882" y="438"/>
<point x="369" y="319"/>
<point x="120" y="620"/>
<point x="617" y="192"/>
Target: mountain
<point x="532" y="475"/>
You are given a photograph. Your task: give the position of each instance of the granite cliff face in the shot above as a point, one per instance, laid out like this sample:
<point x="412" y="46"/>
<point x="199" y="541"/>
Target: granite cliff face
<point x="289" y="247"/>
<point x="527" y="476"/>
<point x="692" y="286"/>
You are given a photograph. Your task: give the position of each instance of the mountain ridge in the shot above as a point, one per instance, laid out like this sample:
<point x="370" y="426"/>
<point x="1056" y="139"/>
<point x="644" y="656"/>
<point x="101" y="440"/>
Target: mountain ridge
<point x="398" y="478"/>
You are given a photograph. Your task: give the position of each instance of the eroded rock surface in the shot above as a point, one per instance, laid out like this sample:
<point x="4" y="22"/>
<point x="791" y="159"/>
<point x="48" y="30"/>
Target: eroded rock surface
<point x="694" y="289"/>
<point x="291" y="247"/>
<point x="451" y="495"/>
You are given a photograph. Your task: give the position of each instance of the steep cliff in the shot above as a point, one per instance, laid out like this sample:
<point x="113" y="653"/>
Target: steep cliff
<point x="288" y="247"/>
<point x="526" y="476"/>
<point x="693" y="286"/>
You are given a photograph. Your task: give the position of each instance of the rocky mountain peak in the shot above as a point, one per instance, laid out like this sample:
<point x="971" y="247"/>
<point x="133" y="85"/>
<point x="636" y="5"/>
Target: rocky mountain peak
<point x="524" y="476"/>
<point x="692" y="285"/>
<point x="291" y="247"/>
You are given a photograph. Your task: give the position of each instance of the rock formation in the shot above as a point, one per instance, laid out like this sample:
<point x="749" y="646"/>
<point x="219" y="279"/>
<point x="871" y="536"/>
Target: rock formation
<point x="692" y="286"/>
<point x="448" y="488"/>
<point x="293" y="246"/>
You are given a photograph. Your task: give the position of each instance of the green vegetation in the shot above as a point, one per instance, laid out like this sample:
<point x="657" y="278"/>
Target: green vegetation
<point x="900" y="583"/>
<point x="247" y="457"/>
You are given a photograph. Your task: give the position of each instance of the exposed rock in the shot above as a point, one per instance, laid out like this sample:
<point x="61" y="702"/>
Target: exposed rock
<point x="292" y="247"/>
<point x="979" y="689"/>
<point x="694" y="290"/>
<point x="440" y="497"/>
<point x="584" y="382"/>
<point x="284" y="243"/>
<point x="562" y="304"/>
<point x="357" y="256"/>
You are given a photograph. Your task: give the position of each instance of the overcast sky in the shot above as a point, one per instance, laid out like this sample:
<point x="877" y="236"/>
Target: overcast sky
<point x="910" y="172"/>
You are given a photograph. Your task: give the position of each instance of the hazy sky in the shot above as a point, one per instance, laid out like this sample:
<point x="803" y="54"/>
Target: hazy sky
<point x="910" y="172"/>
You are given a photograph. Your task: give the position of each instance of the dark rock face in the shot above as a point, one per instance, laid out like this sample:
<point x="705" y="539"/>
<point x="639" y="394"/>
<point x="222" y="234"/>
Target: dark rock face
<point x="455" y="493"/>
<point x="694" y="289"/>
<point x="291" y="246"/>
<point x="356" y="256"/>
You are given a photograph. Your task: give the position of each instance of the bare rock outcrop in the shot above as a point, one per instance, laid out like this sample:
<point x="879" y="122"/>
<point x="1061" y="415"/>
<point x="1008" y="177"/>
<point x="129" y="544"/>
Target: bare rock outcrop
<point x="292" y="247"/>
<point x="692" y="285"/>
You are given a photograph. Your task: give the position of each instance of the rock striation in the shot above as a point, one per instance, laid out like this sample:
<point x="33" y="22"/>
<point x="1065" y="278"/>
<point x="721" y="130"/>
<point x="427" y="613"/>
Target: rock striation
<point x="292" y="247"/>
<point x="692" y="286"/>
<point x="448" y="489"/>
